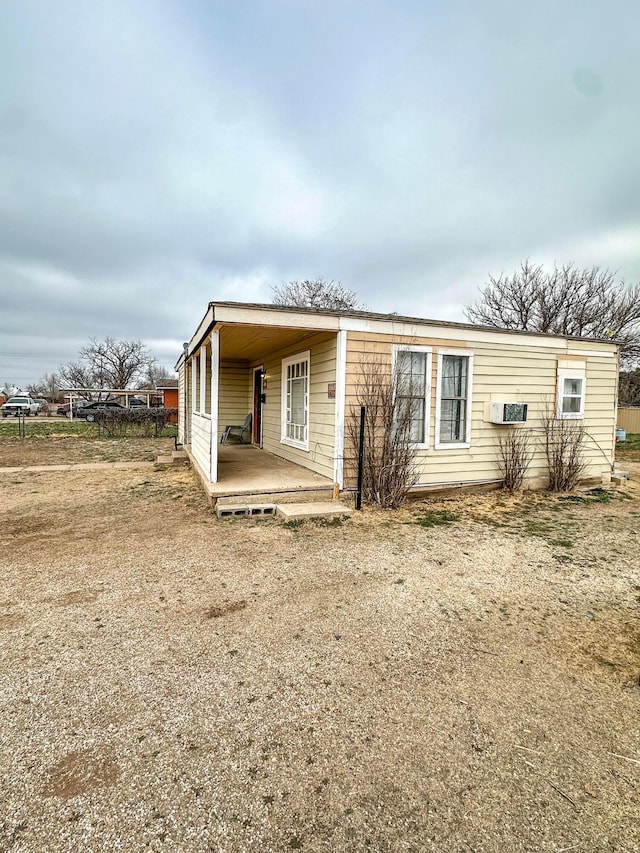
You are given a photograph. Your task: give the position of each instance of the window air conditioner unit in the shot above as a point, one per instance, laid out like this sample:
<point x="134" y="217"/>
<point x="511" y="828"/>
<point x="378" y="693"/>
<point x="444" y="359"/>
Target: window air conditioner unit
<point x="509" y="413"/>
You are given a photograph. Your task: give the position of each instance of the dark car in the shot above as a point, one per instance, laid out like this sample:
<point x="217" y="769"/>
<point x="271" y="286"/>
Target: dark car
<point x="64" y="409"/>
<point x="89" y="412"/>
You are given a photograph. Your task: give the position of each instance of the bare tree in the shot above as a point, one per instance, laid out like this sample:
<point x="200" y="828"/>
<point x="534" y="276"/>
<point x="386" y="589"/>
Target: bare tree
<point x="316" y="293"/>
<point x="389" y="457"/>
<point x="629" y="388"/>
<point x="107" y="364"/>
<point x="48" y="386"/>
<point x="116" y="363"/>
<point x="155" y="375"/>
<point x="75" y="374"/>
<point x="564" y="301"/>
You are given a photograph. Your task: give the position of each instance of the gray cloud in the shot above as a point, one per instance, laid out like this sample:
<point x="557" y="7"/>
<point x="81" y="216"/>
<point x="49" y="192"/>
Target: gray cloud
<point x="156" y="155"/>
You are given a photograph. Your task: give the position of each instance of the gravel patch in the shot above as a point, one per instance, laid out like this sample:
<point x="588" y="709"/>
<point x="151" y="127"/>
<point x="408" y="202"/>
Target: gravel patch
<point x="462" y="675"/>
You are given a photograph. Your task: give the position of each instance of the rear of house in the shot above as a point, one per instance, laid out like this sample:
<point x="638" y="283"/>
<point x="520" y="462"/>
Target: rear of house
<point x="297" y="373"/>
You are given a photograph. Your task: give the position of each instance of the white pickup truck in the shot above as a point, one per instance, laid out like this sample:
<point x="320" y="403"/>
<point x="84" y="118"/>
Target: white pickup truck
<point x="20" y="405"/>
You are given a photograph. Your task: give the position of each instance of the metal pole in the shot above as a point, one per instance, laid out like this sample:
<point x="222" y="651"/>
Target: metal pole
<point x="360" y="458"/>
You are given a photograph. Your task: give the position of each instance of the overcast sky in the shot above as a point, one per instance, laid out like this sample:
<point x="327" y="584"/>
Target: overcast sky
<point x="158" y="155"/>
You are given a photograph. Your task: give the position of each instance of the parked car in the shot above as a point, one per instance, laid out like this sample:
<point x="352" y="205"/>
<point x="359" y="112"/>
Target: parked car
<point x="22" y="405"/>
<point x="78" y="404"/>
<point x="89" y="412"/>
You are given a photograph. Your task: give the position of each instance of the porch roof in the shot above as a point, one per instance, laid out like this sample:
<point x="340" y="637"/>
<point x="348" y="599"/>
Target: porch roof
<point x="311" y="320"/>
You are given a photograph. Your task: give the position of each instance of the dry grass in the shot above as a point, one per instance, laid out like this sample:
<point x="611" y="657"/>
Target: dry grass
<point x="170" y="682"/>
<point x="76" y="448"/>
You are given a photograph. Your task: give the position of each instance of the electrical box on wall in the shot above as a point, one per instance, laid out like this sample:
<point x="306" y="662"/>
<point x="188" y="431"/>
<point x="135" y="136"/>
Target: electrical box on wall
<point x="509" y="413"/>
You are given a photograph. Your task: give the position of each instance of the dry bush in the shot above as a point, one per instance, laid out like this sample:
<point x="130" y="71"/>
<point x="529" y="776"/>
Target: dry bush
<point x="564" y="445"/>
<point x="140" y="421"/>
<point x="389" y="455"/>
<point x="515" y="452"/>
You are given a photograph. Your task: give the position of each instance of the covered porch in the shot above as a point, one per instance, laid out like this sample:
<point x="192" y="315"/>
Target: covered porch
<point x="272" y="380"/>
<point x="248" y="472"/>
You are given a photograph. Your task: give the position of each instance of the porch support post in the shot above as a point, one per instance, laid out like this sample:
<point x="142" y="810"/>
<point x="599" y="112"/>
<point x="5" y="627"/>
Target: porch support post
<point x="341" y="384"/>
<point x="215" y="370"/>
<point x="194" y="379"/>
<point x="202" y="364"/>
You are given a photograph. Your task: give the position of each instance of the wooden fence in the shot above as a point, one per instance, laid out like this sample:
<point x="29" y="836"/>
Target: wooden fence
<point x="629" y="419"/>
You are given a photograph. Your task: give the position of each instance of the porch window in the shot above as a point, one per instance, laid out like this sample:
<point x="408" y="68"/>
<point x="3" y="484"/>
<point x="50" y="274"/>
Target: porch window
<point x="453" y="416"/>
<point x="413" y="386"/>
<point x="295" y="401"/>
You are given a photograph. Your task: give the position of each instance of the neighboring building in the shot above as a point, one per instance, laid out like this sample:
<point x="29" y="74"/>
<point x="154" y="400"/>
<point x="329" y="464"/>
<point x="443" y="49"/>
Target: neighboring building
<point x="169" y="393"/>
<point x="296" y="371"/>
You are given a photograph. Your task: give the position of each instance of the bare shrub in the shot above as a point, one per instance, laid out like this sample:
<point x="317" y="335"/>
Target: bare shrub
<point x="389" y="455"/>
<point x="564" y="446"/>
<point x="140" y="421"/>
<point x="515" y="452"/>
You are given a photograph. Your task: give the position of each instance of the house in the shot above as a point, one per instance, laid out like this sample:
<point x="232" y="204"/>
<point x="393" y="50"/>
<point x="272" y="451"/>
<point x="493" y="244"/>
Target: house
<point x="168" y="391"/>
<point x="297" y="370"/>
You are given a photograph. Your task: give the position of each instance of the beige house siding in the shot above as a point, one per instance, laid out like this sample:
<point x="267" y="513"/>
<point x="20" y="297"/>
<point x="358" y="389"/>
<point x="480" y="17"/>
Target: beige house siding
<point x="201" y="441"/>
<point x="322" y="371"/>
<point x="234" y="394"/>
<point x="504" y="372"/>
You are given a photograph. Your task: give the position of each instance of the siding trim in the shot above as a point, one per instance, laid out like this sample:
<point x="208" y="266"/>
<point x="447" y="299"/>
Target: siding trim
<point x="215" y="383"/>
<point x="341" y="381"/>
<point x="438" y="445"/>
<point x="428" y="351"/>
<point x="284" y="439"/>
<point x="194" y="383"/>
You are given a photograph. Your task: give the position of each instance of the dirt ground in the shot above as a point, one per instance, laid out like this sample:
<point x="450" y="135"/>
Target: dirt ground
<point x="462" y="675"/>
<point x="70" y="449"/>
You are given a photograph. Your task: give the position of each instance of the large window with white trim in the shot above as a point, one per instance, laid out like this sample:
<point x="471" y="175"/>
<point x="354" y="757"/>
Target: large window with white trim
<point x="295" y="401"/>
<point x="413" y="388"/>
<point x="453" y="414"/>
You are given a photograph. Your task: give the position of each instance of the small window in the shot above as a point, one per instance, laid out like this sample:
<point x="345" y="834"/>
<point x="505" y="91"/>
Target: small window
<point x="453" y="415"/>
<point x="571" y="390"/>
<point x="413" y="386"/>
<point x="295" y="401"/>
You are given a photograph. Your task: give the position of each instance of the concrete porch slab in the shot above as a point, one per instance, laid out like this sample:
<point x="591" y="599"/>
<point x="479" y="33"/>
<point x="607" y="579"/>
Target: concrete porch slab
<point x="248" y="474"/>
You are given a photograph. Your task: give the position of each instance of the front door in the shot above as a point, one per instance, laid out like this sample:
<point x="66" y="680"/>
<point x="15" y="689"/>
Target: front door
<point x="258" y="373"/>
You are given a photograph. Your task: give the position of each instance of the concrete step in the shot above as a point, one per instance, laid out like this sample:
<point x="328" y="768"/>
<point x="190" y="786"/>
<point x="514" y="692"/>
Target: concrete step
<point x="174" y="458"/>
<point x="292" y="496"/>
<point x="317" y="509"/>
<point x="164" y="459"/>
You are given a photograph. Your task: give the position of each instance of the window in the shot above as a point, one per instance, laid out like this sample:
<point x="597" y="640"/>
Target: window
<point x="295" y="401"/>
<point x="453" y="413"/>
<point x="413" y="386"/>
<point x="571" y="389"/>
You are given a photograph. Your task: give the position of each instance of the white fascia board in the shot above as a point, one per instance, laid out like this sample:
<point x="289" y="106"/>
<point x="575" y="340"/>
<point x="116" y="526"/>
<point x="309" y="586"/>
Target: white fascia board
<point x="453" y="333"/>
<point x="269" y="317"/>
<point x="201" y="331"/>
